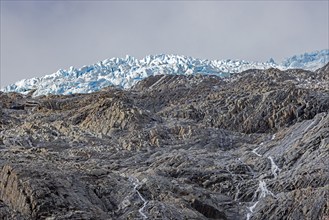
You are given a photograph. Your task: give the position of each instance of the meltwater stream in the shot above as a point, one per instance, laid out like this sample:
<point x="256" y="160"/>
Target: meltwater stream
<point x="136" y="184"/>
<point x="274" y="168"/>
<point x="255" y="152"/>
<point x="262" y="190"/>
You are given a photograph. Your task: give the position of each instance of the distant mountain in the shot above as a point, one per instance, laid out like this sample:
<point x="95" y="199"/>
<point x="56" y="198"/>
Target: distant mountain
<point x="126" y="72"/>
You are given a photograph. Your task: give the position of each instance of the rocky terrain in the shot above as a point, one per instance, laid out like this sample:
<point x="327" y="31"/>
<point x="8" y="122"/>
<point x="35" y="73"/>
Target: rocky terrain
<point x="251" y="146"/>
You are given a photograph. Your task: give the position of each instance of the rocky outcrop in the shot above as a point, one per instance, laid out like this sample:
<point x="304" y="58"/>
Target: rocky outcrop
<point x="250" y="146"/>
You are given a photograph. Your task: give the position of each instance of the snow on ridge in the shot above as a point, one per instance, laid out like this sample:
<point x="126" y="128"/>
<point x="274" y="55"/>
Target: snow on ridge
<point x="126" y="72"/>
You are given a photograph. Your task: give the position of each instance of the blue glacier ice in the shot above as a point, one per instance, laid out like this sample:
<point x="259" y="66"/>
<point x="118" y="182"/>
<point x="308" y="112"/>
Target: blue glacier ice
<point x="126" y="72"/>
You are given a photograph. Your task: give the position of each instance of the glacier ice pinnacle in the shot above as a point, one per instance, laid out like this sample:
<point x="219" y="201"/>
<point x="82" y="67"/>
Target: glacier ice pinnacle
<point x="126" y="72"/>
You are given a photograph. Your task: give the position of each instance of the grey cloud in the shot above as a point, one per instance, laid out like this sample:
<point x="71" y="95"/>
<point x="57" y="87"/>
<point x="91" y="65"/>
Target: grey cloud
<point x="38" y="38"/>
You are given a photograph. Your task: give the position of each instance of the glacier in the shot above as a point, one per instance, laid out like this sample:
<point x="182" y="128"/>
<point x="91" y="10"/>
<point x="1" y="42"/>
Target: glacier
<point x="126" y="72"/>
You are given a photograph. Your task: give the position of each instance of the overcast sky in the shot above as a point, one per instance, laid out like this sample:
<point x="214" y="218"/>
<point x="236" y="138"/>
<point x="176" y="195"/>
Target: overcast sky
<point x="40" y="37"/>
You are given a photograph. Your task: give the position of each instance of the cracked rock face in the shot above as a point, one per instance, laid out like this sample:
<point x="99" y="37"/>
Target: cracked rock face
<point x="251" y="146"/>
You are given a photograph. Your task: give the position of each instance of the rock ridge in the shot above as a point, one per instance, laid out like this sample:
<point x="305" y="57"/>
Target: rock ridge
<point x="250" y="146"/>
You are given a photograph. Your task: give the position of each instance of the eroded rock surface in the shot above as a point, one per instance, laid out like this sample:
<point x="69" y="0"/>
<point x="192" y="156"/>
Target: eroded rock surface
<point x="251" y="146"/>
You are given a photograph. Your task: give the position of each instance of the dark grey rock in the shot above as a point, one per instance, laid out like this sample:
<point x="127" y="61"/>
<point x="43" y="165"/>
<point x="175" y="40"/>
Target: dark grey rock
<point x="254" y="145"/>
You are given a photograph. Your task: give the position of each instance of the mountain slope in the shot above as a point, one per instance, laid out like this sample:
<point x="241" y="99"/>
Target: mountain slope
<point x="128" y="71"/>
<point x="252" y="146"/>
